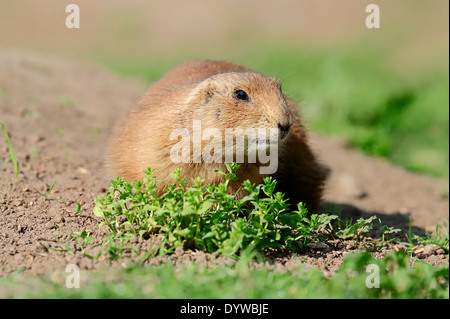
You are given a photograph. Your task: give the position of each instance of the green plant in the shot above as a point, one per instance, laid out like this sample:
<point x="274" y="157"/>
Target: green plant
<point x="409" y="236"/>
<point x="396" y="280"/>
<point x="356" y="230"/>
<point x="11" y="157"/>
<point x="82" y="238"/>
<point x="65" y="247"/>
<point x="440" y="237"/>
<point x="48" y="192"/>
<point x="35" y="152"/>
<point x="77" y="210"/>
<point x="5" y="93"/>
<point x="96" y="133"/>
<point x="385" y="232"/>
<point x="67" y="101"/>
<point x="205" y="217"/>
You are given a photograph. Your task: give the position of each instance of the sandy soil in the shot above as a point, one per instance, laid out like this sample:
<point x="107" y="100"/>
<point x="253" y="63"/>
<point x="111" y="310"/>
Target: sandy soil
<point x="59" y="113"/>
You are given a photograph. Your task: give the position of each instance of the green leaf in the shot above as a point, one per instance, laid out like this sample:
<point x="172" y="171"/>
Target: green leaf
<point x="204" y="207"/>
<point x="98" y="211"/>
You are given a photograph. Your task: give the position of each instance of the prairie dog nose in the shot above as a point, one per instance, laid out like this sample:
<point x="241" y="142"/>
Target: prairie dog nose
<point x="284" y="124"/>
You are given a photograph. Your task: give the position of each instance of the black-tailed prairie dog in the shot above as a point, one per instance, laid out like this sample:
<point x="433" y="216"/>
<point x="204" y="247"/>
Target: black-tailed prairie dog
<point x="202" y="114"/>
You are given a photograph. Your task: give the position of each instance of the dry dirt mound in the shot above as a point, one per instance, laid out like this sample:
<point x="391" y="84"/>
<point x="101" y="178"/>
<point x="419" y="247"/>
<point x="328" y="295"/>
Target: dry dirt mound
<point x="59" y="113"/>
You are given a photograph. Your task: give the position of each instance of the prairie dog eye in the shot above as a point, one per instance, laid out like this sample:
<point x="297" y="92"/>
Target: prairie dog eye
<point x="240" y="95"/>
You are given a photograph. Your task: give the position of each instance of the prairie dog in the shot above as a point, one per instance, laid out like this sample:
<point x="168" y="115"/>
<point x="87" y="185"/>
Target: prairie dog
<point x="219" y="96"/>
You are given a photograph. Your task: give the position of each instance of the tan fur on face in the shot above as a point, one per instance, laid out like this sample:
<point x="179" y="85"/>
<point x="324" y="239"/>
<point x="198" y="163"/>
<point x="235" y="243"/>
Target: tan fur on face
<point x="203" y="91"/>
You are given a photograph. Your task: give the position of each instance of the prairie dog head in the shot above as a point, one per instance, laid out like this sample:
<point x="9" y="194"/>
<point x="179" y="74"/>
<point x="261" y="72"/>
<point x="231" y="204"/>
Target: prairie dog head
<point x="241" y="100"/>
<point x="247" y="104"/>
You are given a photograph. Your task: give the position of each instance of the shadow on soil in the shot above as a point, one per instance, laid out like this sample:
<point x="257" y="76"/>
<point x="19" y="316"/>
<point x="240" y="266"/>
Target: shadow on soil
<point x="398" y="220"/>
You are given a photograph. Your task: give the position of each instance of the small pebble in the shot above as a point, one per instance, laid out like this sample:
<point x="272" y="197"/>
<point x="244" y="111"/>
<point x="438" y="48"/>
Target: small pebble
<point x="82" y="170"/>
<point x="49" y="225"/>
<point x="429" y="250"/>
<point x="418" y="249"/>
<point x="350" y="245"/>
<point x="59" y="219"/>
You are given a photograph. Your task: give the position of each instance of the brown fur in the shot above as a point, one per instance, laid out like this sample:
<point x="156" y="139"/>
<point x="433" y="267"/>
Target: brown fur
<point x="203" y="90"/>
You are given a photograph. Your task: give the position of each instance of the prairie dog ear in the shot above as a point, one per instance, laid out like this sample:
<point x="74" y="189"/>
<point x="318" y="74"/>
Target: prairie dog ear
<point x="203" y="92"/>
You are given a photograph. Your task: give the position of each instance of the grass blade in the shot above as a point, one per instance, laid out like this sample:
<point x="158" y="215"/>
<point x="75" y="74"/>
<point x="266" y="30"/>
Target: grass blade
<point x="11" y="154"/>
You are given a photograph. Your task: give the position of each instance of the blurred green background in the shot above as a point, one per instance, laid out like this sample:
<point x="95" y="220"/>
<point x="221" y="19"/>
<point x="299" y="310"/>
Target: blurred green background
<point x="385" y="90"/>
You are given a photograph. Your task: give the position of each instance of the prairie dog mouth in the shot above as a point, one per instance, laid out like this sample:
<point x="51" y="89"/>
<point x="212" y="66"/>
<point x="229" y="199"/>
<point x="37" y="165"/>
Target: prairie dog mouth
<point x="264" y="141"/>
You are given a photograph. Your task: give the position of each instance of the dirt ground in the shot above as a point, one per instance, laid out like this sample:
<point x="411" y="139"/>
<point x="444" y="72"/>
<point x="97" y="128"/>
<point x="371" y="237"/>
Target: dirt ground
<point x="59" y="113"/>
